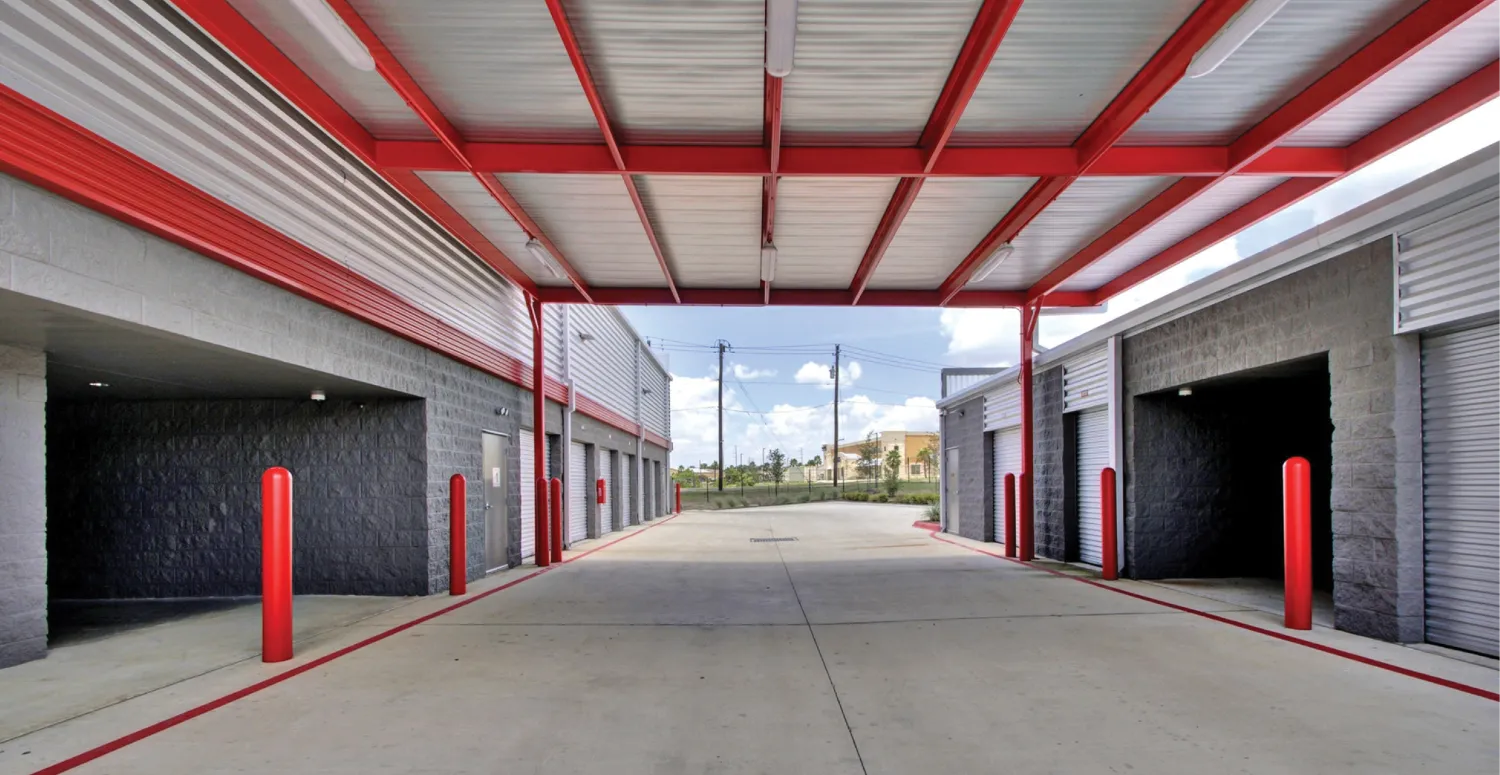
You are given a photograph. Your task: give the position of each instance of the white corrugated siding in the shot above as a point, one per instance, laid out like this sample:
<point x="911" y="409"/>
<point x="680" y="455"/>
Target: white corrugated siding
<point x="824" y="225"/>
<point x="949" y="217"/>
<point x="1304" y="40"/>
<point x="606" y="509"/>
<point x="656" y="405"/>
<point x="528" y="494"/>
<point x="1007" y="460"/>
<point x="1449" y="270"/>
<point x="1086" y="380"/>
<point x="593" y="222"/>
<point x="709" y="225"/>
<point x="953" y="383"/>
<point x="480" y="209"/>
<point x="869" y="71"/>
<point x="604" y="364"/>
<point x="1093" y="456"/>
<point x="1085" y="210"/>
<point x="553" y="339"/>
<point x="1002" y="406"/>
<point x="580" y="490"/>
<point x="1209" y="206"/>
<point x="1060" y="65"/>
<point x="117" y="69"/>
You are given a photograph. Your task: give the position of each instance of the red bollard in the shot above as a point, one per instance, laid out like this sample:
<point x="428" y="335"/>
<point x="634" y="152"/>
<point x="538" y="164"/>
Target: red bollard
<point x="1010" y="515"/>
<point x="1027" y="548"/>
<point x="1297" y="490"/>
<point x="458" y="545"/>
<point x="557" y="519"/>
<point x="276" y="565"/>
<point x="679" y="499"/>
<point x="1107" y="552"/>
<point x="543" y="518"/>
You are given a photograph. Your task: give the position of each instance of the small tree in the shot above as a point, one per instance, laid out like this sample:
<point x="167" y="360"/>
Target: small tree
<point x="776" y="467"/>
<point x="685" y="476"/>
<point x="927" y="456"/>
<point x="869" y="459"/>
<point x="892" y="472"/>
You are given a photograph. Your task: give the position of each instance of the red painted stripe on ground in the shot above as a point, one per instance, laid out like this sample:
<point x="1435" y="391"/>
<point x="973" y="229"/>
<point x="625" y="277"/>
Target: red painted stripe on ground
<point x="79" y="760"/>
<point x="925" y="525"/>
<point x="1428" y="677"/>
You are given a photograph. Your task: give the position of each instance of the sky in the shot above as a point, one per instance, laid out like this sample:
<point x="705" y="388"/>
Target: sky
<point x="777" y="388"/>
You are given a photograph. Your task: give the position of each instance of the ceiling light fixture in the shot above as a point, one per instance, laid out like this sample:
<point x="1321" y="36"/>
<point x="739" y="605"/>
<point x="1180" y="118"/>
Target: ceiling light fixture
<point x="1234" y="35"/>
<point x="781" y="37"/>
<point x="538" y="251"/>
<point x="318" y="395"/>
<point x="1187" y="391"/>
<point x="98" y="384"/>
<point x="767" y="263"/>
<point x="993" y="262"/>
<point x="333" y="29"/>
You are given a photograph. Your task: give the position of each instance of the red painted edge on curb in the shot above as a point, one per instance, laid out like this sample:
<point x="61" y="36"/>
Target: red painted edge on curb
<point x="925" y="525"/>
<point x="1428" y="677"/>
<point x="81" y="759"/>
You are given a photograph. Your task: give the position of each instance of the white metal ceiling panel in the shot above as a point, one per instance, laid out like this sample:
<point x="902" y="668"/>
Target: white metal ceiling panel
<point x="592" y="220"/>
<point x="1211" y="205"/>
<point x="118" y="68"/>
<point x="366" y="95"/>
<point x="676" y="70"/>
<point x="824" y="225"/>
<point x="1085" y="210"/>
<point x="710" y="226"/>
<point x="1465" y="49"/>
<point x="870" y="71"/>
<point x="475" y="204"/>
<point x="497" y="70"/>
<point x="1304" y="40"/>
<point x="949" y="217"/>
<point x="1060" y="65"/>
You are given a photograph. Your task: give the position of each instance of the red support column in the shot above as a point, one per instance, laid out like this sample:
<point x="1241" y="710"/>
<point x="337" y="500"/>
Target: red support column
<point x="1027" y="520"/>
<point x="539" y="431"/>
<point x="1297" y="491"/>
<point x="1010" y="515"/>
<point x="276" y="565"/>
<point x="1110" y="559"/>
<point x="557" y="519"/>
<point x="458" y="545"/>
<point x="543" y="519"/>
<point x="678" y="510"/>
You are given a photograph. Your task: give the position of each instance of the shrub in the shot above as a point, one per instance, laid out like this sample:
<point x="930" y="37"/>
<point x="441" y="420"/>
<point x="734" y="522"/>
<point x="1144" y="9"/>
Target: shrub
<point x="804" y="498"/>
<point x="933" y="512"/>
<point x="882" y="498"/>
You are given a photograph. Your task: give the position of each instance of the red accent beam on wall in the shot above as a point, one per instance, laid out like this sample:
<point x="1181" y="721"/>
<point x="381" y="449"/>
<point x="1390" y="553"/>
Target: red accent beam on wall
<point x="1165" y="68"/>
<point x="601" y="115"/>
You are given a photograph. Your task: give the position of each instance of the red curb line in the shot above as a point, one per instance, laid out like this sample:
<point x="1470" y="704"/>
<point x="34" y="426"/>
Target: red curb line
<point x="1462" y="687"/>
<point x="925" y="525"/>
<point x="81" y="759"/>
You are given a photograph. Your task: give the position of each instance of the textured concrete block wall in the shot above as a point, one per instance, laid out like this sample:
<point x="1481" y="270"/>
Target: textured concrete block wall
<point x="963" y="427"/>
<point x="162" y="498"/>
<point x="23" y="505"/>
<point x="1048" y="445"/>
<point x="1341" y="307"/>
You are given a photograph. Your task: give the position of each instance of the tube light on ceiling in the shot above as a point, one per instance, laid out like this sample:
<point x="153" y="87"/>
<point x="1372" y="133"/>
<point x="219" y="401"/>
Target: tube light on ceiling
<point x="767" y="263"/>
<point x="539" y="252"/>
<point x="337" y="33"/>
<point x="993" y="262"/>
<point x="781" y="37"/>
<point x="1234" y="35"/>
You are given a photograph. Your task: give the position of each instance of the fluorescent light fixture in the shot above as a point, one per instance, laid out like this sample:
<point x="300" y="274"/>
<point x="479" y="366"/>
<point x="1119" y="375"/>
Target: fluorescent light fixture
<point x="1234" y="35"/>
<point x="781" y="37"/>
<point x="993" y="262"/>
<point x="767" y="263"/>
<point x="1187" y="391"/>
<point x="318" y="395"/>
<point x="539" y="252"/>
<point x="99" y="384"/>
<point x="337" y="33"/>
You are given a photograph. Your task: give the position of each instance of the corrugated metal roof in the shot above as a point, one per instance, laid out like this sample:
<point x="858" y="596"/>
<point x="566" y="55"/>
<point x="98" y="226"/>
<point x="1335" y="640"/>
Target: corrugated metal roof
<point x="823" y="226"/>
<point x="497" y="70"/>
<point x="1304" y="40"/>
<point x="949" y="217"/>
<point x="1209" y="206"/>
<point x="710" y="226"/>
<point x="1465" y="49"/>
<point x="676" y="70"/>
<point x="592" y="220"/>
<point x="1085" y="210"/>
<point x="1059" y="66"/>
<point x="870" y="71"/>
<point x="366" y="95"/>
<point x="475" y="204"/>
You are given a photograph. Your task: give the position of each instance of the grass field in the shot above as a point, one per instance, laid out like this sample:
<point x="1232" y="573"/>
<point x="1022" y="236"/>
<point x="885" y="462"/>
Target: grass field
<point x="699" y="499"/>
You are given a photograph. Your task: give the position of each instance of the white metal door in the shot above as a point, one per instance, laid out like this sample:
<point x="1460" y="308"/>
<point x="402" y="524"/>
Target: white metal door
<point x="528" y="494"/>
<point x="607" y="508"/>
<point x="627" y="506"/>
<point x="1092" y="457"/>
<point x="1007" y="461"/>
<point x="579" y="490"/>
<point x="1461" y="487"/>
<point x="646" y="472"/>
<point x="950" y="490"/>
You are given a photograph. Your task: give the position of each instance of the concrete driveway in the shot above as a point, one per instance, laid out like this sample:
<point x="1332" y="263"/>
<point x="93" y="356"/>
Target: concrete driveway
<point x="861" y="646"/>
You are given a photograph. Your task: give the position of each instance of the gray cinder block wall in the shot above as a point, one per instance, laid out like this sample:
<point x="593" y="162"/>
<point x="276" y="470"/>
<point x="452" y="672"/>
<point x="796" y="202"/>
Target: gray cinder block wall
<point x="23" y="505"/>
<point x="963" y="427"/>
<point x="1047" y="448"/>
<point x="1341" y="307"/>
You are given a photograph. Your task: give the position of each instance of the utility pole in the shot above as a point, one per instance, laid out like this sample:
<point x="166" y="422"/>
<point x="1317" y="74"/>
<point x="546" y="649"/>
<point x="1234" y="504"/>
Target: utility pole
<point x="835" y="461"/>
<point x="722" y="344"/>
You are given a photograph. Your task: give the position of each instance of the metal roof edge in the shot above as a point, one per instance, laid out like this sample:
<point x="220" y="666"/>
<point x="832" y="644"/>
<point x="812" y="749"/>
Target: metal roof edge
<point x="979" y="388"/>
<point x="620" y="316"/>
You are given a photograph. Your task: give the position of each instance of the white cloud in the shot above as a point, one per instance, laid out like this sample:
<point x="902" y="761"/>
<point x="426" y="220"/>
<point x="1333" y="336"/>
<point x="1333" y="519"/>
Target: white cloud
<point x="820" y="374"/>
<point x="741" y="371"/>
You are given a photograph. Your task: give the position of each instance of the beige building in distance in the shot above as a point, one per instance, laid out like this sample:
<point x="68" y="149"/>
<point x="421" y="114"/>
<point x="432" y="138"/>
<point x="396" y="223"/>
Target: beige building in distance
<point x="909" y="443"/>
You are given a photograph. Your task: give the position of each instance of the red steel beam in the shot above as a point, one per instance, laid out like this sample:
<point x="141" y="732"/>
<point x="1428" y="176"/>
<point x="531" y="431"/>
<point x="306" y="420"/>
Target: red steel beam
<point x="772" y="131"/>
<point x="989" y="28"/>
<point x="1474" y="90"/>
<point x="1165" y="68"/>
<point x="238" y="36"/>
<point x="806" y="297"/>
<point x="1403" y="39"/>
<point x="596" y="103"/>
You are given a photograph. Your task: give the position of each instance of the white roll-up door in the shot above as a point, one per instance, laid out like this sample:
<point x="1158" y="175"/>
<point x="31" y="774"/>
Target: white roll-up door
<point x="528" y="494"/>
<point x="1461" y="487"/>
<point x="1007" y="461"/>
<point x="579" y="490"/>
<point x="1092" y="457"/>
<point x="627" y="505"/>
<point x="606" y="509"/>
<point x="650" y="491"/>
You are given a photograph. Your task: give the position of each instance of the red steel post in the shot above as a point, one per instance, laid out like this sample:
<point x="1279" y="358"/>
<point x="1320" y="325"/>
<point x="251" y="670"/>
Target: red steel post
<point x="1297" y="490"/>
<point x="1026" y="519"/>
<point x="544" y="510"/>
<point x="557" y="519"/>
<point x="539" y="431"/>
<point x="276" y="565"/>
<point x="678" y="510"/>
<point x="1026" y="546"/>
<point x="1110" y="560"/>
<point x="1010" y="515"/>
<point x="458" y="547"/>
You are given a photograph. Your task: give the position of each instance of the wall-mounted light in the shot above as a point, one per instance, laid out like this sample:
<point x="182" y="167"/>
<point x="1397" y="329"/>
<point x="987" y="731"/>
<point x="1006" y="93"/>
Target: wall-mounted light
<point x="992" y="263"/>
<point x="584" y="336"/>
<point x="781" y="37"/>
<point x="337" y="33"/>
<point x="501" y="411"/>
<point x="1251" y="18"/>
<point x="318" y="395"/>
<point x="645" y="391"/>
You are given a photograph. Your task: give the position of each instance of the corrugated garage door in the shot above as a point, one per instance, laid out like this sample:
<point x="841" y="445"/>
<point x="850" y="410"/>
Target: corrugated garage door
<point x="606" y="509"/>
<point x="579" y="490"/>
<point x="1461" y="487"/>
<point x="627" y="506"/>
<point x="1007" y="461"/>
<point x="1093" y="457"/>
<point x="650" y="492"/>
<point x="528" y="494"/>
